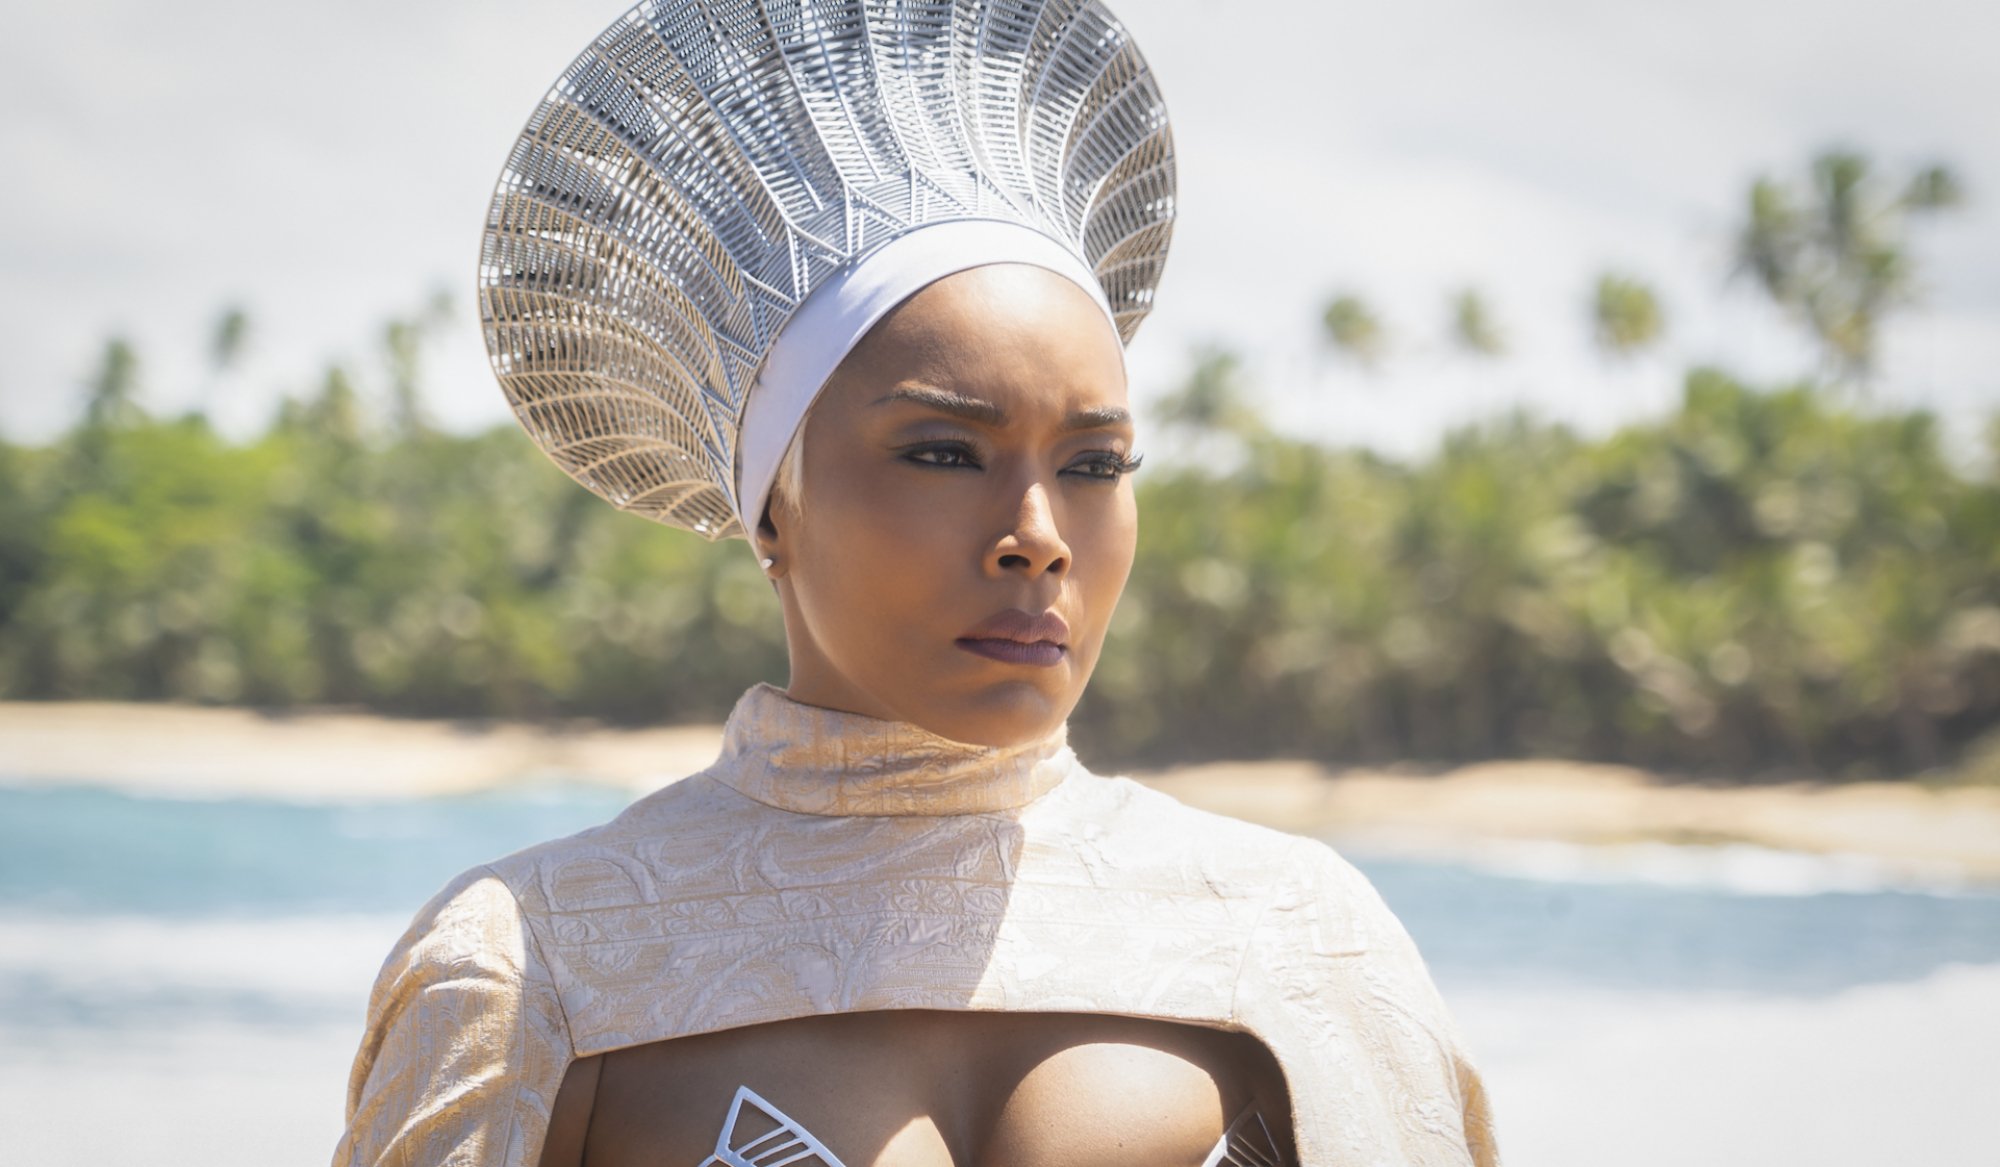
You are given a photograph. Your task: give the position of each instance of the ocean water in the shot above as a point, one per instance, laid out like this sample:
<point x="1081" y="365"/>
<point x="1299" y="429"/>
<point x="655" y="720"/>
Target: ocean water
<point x="177" y="950"/>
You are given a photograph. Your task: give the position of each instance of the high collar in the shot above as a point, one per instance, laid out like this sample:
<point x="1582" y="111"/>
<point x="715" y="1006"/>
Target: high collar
<point x="811" y="760"/>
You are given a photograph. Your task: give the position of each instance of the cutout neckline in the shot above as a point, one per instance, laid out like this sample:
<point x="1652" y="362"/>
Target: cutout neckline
<point x="1247" y="1141"/>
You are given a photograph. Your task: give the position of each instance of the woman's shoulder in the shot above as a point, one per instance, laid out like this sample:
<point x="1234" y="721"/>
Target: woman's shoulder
<point x="473" y="920"/>
<point x="1138" y="804"/>
<point x="1281" y="862"/>
<point x="680" y="816"/>
<point x="494" y="901"/>
<point x="465" y="1036"/>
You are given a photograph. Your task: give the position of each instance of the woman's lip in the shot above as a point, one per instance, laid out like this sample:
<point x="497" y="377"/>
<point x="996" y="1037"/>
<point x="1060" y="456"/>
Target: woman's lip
<point x="1019" y="625"/>
<point x="1042" y="653"/>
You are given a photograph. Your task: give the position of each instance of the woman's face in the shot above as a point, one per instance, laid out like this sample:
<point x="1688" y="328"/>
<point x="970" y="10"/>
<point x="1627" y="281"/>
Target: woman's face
<point x="966" y="522"/>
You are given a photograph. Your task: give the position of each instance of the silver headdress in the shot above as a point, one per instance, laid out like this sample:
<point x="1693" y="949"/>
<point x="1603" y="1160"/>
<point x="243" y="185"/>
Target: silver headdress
<point x="651" y="256"/>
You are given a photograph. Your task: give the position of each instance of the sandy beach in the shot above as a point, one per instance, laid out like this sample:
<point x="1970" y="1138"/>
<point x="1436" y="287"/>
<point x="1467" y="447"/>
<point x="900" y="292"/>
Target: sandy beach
<point x="203" y="752"/>
<point x="1905" y="829"/>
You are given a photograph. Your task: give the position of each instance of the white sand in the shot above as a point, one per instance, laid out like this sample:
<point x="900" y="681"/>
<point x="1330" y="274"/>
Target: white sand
<point x="1911" y="831"/>
<point x="1876" y="1075"/>
<point x="208" y="1043"/>
<point x="184" y="750"/>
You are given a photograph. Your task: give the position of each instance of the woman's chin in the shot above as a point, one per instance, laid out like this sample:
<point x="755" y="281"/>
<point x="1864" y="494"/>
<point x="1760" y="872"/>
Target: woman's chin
<point x="1001" y="711"/>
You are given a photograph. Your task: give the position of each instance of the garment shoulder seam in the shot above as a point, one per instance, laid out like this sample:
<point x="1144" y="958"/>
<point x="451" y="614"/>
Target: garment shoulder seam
<point x="541" y="954"/>
<point x="521" y="1018"/>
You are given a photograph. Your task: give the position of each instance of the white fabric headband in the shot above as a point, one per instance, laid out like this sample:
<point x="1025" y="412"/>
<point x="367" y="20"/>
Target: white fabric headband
<point x="841" y="310"/>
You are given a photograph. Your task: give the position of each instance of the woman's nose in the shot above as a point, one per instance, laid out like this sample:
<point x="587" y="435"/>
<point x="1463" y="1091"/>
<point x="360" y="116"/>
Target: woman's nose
<point x="1033" y="545"/>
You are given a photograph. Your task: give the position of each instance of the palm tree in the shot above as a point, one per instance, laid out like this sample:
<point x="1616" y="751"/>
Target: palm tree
<point x="113" y="387"/>
<point x="1472" y="328"/>
<point x="335" y="415"/>
<point x="1213" y="399"/>
<point x="1353" y="328"/>
<point x="402" y="345"/>
<point x="227" y="341"/>
<point x="1834" y="255"/>
<point x="403" y="341"/>
<point x="1626" y="314"/>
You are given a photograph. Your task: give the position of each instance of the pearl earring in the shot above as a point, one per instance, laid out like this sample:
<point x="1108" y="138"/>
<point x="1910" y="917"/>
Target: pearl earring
<point x="767" y="561"/>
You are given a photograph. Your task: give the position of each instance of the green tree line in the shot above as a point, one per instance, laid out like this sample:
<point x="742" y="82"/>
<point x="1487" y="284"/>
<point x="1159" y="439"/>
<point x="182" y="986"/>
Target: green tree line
<point x="1762" y="580"/>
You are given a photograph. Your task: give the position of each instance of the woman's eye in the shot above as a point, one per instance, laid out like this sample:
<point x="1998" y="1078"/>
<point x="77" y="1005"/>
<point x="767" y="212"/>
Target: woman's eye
<point x="1107" y="465"/>
<point x="942" y="456"/>
<point x="1104" y="465"/>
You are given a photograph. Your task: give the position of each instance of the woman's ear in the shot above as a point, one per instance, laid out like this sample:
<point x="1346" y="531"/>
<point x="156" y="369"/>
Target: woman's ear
<point x="769" y="545"/>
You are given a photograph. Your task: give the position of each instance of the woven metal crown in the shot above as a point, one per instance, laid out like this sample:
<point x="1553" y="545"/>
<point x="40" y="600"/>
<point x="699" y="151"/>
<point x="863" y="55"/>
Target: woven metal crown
<point x="705" y="164"/>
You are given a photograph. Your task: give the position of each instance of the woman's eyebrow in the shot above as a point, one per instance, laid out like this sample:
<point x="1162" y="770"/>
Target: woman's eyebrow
<point x="976" y="409"/>
<point x="945" y="401"/>
<point x="1098" y="417"/>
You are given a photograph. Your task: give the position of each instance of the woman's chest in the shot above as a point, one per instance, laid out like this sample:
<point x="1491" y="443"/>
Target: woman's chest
<point x="923" y="1089"/>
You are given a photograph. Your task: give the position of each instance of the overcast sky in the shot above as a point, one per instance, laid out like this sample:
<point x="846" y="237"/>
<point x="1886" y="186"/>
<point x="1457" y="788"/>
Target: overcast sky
<point x="328" y="165"/>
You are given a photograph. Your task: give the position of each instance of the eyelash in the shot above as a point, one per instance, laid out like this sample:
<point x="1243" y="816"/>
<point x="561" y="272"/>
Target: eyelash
<point x="1118" y="465"/>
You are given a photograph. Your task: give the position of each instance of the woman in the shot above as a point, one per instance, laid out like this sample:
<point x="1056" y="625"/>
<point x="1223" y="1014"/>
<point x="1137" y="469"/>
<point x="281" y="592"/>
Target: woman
<point x="853" y="280"/>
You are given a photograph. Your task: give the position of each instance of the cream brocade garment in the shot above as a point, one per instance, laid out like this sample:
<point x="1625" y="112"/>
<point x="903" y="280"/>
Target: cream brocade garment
<point x="830" y="862"/>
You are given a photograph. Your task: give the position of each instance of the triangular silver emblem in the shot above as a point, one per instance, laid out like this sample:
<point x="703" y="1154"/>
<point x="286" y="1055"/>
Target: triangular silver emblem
<point x="1247" y="1143"/>
<point x="758" y="1134"/>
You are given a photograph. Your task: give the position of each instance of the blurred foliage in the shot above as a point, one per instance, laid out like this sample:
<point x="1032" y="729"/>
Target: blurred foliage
<point x="1213" y="400"/>
<point x="333" y="562"/>
<point x="1761" y="582"/>
<point x="1353" y="329"/>
<point x="1472" y="326"/>
<point x="1626" y="315"/>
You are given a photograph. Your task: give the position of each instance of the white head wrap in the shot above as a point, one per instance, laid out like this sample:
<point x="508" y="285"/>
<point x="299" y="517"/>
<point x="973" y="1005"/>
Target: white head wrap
<point x="719" y="198"/>
<point x="842" y="310"/>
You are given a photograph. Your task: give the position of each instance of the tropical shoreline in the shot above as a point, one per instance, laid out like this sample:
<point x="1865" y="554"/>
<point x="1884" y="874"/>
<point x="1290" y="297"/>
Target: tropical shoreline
<point x="1904" y="829"/>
